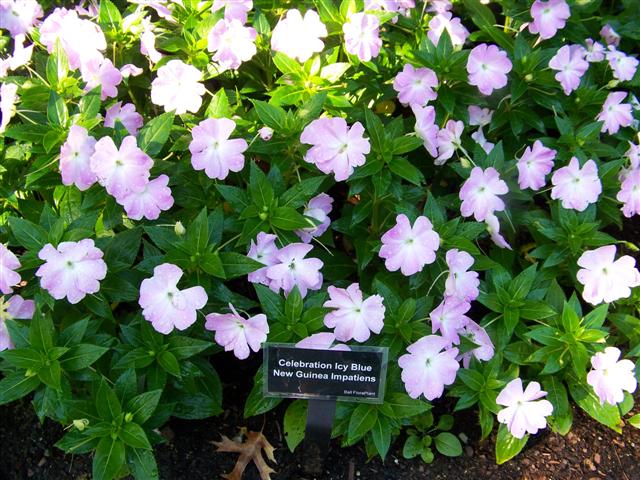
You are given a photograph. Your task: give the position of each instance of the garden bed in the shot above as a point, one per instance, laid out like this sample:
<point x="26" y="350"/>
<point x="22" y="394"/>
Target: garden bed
<point x="589" y="451"/>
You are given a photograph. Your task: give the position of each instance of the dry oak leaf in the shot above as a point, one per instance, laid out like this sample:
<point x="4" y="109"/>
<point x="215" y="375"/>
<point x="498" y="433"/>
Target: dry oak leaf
<point x="249" y="450"/>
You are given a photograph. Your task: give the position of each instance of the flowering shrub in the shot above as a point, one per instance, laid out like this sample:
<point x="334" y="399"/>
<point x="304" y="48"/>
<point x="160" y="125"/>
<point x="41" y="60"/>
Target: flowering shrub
<point x="450" y="181"/>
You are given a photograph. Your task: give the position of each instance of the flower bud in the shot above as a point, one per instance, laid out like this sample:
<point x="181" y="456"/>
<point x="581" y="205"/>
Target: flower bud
<point x="179" y="229"/>
<point x="265" y="133"/>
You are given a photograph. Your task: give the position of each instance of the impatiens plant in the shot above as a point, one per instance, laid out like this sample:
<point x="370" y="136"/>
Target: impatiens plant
<point x="453" y="180"/>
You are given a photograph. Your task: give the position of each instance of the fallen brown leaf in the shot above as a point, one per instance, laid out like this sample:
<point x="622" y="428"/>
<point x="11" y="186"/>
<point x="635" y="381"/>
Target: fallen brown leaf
<point x="249" y="450"/>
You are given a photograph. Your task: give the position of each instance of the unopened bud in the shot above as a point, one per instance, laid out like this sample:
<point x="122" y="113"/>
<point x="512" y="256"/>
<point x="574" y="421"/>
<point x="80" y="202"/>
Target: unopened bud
<point x="81" y="423"/>
<point x="128" y="417"/>
<point x="265" y="133"/>
<point x="179" y="229"/>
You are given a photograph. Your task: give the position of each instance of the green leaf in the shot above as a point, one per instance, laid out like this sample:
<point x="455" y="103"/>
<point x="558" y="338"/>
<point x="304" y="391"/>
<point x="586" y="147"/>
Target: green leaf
<point x="406" y="144"/>
<point x="293" y="305"/>
<point x="109" y="15"/>
<point x="184" y="347"/>
<point x="405" y="169"/>
<point x="77" y="442"/>
<point x="257" y="403"/>
<point x="212" y="264"/>
<point x="588" y="401"/>
<point x="29" y="234"/>
<point x="448" y="444"/>
<point x="362" y="421"/>
<point x="57" y="112"/>
<point x="295" y="421"/>
<point x="109" y="459"/>
<point x="287" y="218"/>
<point x="155" y="134"/>
<point x="508" y="446"/>
<point x="51" y="375"/>
<point x="143" y="406"/>
<point x="57" y="65"/>
<point x="401" y="405"/>
<point x="237" y="265"/>
<point x="259" y="187"/>
<point x="301" y="192"/>
<point x="635" y="420"/>
<point x="41" y="333"/>
<point x="288" y="65"/>
<point x="197" y="238"/>
<point x="562" y="416"/>
<point x="169" y="363"/>
<point x="23" y="358"/>
<point x="81" y="356"/>
<point x="133" y="435"/>
<point x="17" y="385"/>
<point x="271" y="302"/>
<point x="381" y="434"/>
<point x="142" y="464"/>
<point x="219" y="106"/>
<point x="413" y="446"/>
<point x="107" y="403"/>
<point x="271" y="115"/>
<point x="375" y="130"/>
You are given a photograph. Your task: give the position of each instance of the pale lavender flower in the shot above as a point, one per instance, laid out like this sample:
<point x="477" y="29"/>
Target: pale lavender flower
<point x="604" y="278"/>
<point x="493" y="227"/>
<point x="361" y="36"/>
<point x="629" y="193"/>
<point x="299" y="37"/>
<point x="126" y="114"/>
<point x="609" y="35"/>
<point x="548" y="17"/>
<point x="164" y="305"/>
<point x="120" y="171"/>
<point x="266" y="133"/>
<point x="234" y="9"/>
<point x="479" y="336"/>
<point x="148" y="42"/>
<point x="21" y="56"/>
<point x="263" y="250"/>
<point x="337" y="148"/>
<point x="75" y="158"/>
<point x="409" y="248"/>
<point x="426" y="369"/>
<point x="426" y="128"/>
<point x="160" y="6"/>
<point x="480" y="139"/>
<point x="72" y="270"/>
<point x="130" y="70"/>
<point x="449" y="140"/>
<point x="8" y="98"/>
<point x="595" y="51"/>
<point x="614" y="113"/>
<point x="353" y="317"/>
<point x="534" y="165"/>
<point x="19" y="16"/>
<point x="610" y="377"/>
<point x="82" y="40"/>
<point x="415" y="85"/>
<point x="9" y="263"/>
<point x="292" y="269"/>
<point x="571" y="65"/>
<point x="524" y="412"/>
<point x="576" y="187"/>
<point x="449" y="317"/>
<point x="479" y="116"/>
<point x="479" y="193"/>
<point x="233" y="332"/>
<point x="322" y="341"/>
<point x="232" y="42"/>
<point x="213" y="151"/>
<point x="149" y="202"/>
<point x="623" y="66"/>
<point x="101" y="73"/>
<point x="461" y="283"/>
<point x="319" y="208"/>
<point x="14" y="308"/>
<point x="487" y="67"/>
<point x="454" y="27"/>
<point x="177" y="87"/>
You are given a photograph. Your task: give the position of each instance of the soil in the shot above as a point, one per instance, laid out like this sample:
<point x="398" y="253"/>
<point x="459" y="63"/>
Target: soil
<point x="589" y="451"/>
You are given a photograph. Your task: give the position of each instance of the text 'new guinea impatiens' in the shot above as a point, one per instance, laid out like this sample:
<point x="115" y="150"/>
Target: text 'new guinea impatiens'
<point x="457" y="183"/>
